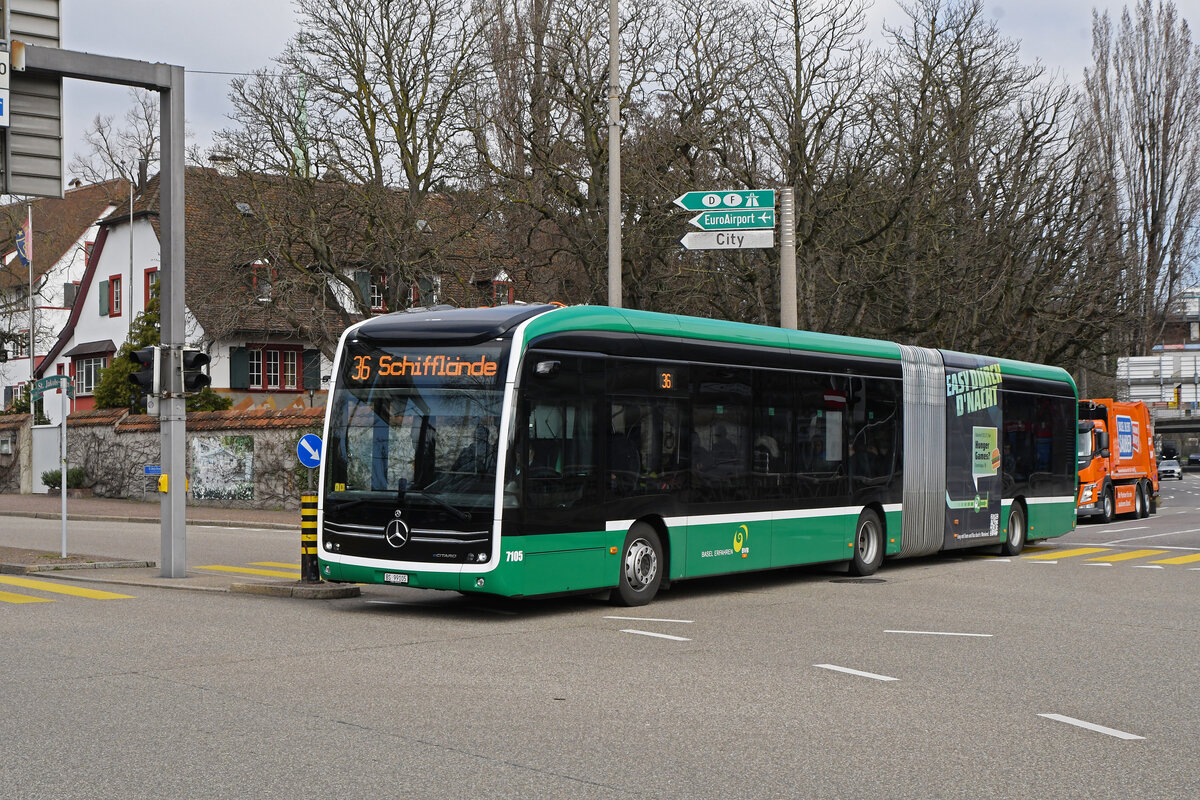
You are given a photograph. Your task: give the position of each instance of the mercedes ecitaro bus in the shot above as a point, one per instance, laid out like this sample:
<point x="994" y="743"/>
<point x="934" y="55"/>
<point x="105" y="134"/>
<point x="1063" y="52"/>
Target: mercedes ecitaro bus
<point x="535" y="449"/>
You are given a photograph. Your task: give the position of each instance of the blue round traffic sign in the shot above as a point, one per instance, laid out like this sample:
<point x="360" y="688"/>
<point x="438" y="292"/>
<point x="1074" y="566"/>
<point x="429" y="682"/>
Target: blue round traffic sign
<point x="308" y="449"/>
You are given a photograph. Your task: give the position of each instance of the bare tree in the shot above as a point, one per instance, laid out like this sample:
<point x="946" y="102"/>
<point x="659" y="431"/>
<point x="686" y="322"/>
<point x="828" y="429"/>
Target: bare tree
<point x="1142" y="101"/>
<point x="121" y="151"/>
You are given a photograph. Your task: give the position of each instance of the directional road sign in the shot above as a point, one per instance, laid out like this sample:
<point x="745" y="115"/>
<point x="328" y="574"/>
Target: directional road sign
<point x="734" y="220"/>
<point x="309" y="450"/>
<point x="726" y="199"/>
<point x="728" y="240"/>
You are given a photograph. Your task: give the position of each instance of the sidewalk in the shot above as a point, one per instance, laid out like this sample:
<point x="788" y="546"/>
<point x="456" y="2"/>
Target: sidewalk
<point x="132" y="573"/>
<point x="107" y="509"/>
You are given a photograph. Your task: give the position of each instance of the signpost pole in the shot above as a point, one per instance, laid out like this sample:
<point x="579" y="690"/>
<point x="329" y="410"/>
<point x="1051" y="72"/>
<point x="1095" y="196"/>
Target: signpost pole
<point x="614" y="160"/>
<point x="788" y="297"/>
<point x="62" y="475"/>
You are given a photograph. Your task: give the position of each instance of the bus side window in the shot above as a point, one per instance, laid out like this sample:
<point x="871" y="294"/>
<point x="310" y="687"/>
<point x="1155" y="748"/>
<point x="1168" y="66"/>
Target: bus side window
<point x="559" y="460"/>
<point x="721" y="415"/>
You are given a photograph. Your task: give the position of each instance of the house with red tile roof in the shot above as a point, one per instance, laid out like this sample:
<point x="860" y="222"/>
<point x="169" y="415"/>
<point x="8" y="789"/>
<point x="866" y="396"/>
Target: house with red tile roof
<point x="266" y="297"/>
<point x="64" y="234"/>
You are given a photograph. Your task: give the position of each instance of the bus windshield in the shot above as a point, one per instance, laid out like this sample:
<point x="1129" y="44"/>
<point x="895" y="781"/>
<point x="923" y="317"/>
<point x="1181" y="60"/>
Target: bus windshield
<point x="417" y="427"/>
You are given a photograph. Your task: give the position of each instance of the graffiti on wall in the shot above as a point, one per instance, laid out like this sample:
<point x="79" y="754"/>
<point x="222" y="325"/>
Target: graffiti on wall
<point x="223" y="467"/>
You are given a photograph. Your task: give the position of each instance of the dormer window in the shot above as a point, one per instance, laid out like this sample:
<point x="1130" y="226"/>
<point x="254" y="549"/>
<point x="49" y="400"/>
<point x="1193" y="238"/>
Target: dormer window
<point x="262" y="281"/>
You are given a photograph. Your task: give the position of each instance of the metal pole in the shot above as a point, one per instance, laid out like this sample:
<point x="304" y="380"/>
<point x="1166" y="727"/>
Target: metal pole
<point x="32" y="319"/>
<point x="614" y="160"/>
<point x="62" y="389"/>
<point x="308" y="537"/>
<point x="129" y="313"/>
<point x="788" y="297"/>
<point x="173" y="418"/>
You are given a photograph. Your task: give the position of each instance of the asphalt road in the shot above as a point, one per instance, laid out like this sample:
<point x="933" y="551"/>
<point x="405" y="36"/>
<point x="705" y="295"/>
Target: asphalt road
<point x="949" y="677"/>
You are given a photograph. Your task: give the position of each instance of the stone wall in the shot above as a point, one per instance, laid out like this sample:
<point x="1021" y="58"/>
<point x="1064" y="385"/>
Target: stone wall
<point x="235" y="459"/>
<point x="16" y="453"/>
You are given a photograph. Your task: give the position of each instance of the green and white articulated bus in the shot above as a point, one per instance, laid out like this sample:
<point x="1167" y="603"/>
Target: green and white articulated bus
<point x="538" y="449"/>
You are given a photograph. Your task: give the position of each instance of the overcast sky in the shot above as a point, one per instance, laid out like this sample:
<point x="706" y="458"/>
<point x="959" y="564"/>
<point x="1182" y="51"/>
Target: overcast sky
<point x="242" y="35"/>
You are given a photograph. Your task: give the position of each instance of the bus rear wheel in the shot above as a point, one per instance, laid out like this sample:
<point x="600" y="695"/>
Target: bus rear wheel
<point x="641" y="566"/>
<point x="868" y="544"/>
<point x="1016" y="532"/>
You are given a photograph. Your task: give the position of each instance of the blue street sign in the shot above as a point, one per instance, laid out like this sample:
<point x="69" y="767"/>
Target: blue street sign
<point x="309" y="450"/>
<point x="152" y="469"/>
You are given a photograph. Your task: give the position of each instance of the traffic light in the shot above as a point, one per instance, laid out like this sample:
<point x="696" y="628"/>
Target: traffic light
<point x="193" y="379"/>
<point x="149" y="376"/>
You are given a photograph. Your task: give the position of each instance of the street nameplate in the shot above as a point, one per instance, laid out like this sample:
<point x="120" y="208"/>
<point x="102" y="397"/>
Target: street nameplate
<point x="728" y="240"/>
<point x="52" y="383"/>
<point x="734" y="220"/>
<point x="726" y="199"/>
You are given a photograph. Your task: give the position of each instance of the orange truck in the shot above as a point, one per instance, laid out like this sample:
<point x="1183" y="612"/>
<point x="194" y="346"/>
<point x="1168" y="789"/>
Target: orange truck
<point x="1118" y="472"/>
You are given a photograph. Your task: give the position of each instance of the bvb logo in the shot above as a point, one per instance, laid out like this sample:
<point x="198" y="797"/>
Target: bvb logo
<point x="739" y="538"/>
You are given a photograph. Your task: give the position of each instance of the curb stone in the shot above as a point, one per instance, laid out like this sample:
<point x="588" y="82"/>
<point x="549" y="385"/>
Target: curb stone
<point x="297" y="590"/>
<point x="26" y="569"/>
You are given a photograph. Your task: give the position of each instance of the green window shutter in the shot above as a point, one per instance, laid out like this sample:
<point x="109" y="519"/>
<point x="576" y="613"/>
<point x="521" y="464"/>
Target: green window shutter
<point x="104" y="298"/>
<point x="239" y="368"/>
<point x="312" y="370"/>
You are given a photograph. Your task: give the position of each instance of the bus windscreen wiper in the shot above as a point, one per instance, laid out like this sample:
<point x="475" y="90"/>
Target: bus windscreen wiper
<point x="458" y="512"/>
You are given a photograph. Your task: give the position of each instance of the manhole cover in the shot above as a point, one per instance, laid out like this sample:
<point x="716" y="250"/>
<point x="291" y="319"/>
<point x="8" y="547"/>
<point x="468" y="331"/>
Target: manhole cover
<point x="858" y="580"/>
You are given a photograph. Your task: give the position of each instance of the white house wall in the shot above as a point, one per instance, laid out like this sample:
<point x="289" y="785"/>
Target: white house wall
<point x="91" y="326"/>
<point x="51" y="315"/>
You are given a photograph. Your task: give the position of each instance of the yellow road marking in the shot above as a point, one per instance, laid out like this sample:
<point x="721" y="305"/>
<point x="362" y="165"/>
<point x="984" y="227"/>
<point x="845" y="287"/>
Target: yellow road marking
<point x="247" y="571"/>
<point x="1194" y="557"/>
<point x="274" y="564"/>
<point x="1129" y="555"/>
<point x="1053" y="554"/>
<point x="13" y="597"/>
<point x="51" y="586"/>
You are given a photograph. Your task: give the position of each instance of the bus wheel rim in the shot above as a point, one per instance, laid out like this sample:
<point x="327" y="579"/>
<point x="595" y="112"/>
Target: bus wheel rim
<point x="641" y="564"/>
<point x="867" y="542"/>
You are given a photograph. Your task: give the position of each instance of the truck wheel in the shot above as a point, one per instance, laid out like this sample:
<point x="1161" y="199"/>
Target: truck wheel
<point x="1109" y="505"/>
<point x="1143" y="501"/>
<point x="1016" y="532"/>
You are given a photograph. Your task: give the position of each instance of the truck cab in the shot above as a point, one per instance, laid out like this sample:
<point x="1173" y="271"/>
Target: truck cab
<point x="1118" y="471"/>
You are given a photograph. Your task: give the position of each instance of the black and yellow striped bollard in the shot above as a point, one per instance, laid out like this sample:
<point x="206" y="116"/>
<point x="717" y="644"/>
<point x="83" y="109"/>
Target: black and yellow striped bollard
<point x="308" y="538"/>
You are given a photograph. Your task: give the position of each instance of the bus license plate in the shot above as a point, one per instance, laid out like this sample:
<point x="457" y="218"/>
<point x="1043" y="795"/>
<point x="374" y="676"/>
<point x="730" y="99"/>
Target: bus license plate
<point x="395" y="577"/>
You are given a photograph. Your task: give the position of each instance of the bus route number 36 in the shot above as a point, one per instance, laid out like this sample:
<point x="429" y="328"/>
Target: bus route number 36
<point x="514" y="555"/>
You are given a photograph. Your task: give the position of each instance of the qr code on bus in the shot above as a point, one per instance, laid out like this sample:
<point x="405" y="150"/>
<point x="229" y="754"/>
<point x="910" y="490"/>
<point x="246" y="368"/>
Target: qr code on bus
<point x="995" y="525"/>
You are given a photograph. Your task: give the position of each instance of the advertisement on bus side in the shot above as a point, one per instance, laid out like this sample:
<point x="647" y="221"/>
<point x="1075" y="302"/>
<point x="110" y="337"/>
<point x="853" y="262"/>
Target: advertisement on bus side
<point x="973" y="457"/>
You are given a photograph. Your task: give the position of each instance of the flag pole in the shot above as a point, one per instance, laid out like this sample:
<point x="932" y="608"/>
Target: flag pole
<point x="29" y="254"/>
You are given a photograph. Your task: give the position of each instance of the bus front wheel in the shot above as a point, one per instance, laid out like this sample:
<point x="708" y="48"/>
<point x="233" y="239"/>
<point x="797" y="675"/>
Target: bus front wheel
<point x="868" y="544"/>
<point x="641" y="566"/>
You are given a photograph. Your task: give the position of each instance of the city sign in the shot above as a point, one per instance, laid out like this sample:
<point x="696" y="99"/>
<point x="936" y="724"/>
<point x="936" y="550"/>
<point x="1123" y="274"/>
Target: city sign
<point x="746" y="219"/>
<point x="726" y="199"/>
<point x="728" y="240"/>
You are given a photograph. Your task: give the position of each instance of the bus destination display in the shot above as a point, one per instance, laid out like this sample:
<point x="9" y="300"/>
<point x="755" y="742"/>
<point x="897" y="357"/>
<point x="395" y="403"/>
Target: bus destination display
<point x="373" y="367"/>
